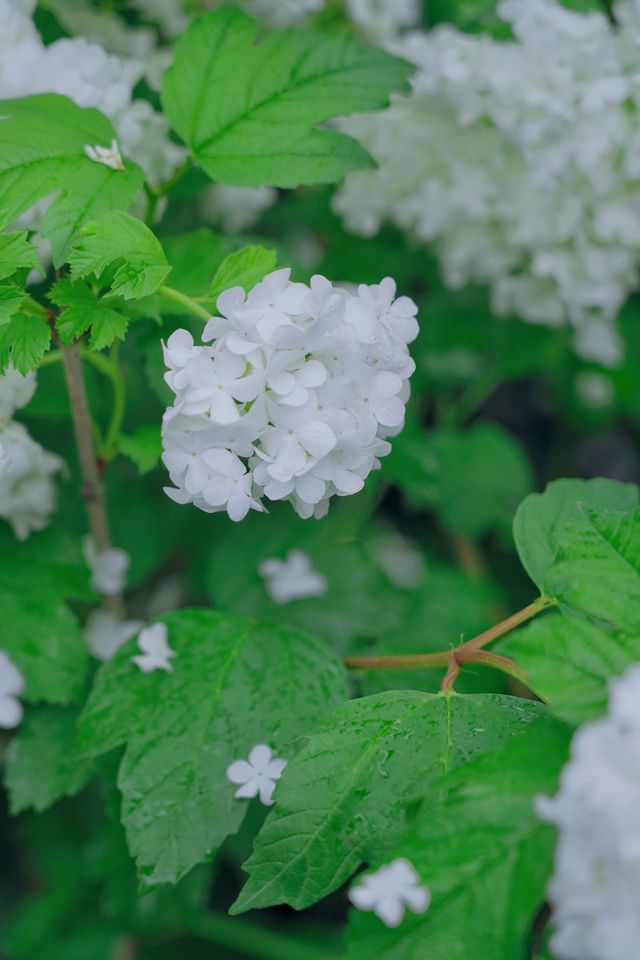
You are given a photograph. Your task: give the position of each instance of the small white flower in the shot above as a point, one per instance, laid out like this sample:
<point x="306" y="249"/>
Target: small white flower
<point x="108" y="569"/>
<point x="156" y="652"/>
<point x="292" y="578"/>
<point x="11" y="686"/>
<point x="389" y="890"/>
<point x="109" y="156"/>
<point x="105" y="634"/>
<point x="258" y="776"/>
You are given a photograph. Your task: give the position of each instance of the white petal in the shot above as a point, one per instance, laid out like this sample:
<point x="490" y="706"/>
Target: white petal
<point x="248" y="790"/>
<point x="260" y="757"/>
<point x="10" y="712"/>
<point x="390" y="909"/>
<point x="240" y="771"/>
<point x="266" y="788"/>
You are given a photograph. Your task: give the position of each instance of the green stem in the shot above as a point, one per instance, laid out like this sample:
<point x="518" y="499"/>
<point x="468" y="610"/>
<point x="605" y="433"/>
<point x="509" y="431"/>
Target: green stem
<point x="254" y="940"/>
<point x="185" y="301"/>
<point x="444" y="657"/>
<point x="110" y="367"/>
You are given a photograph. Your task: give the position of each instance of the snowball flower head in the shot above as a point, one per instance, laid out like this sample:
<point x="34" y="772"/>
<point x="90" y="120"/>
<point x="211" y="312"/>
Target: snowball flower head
<point x="258" y="776"/>
<point x="156" y="652"/>
<point x="105" y="633"/>
<point x="594" y="889"/>
<point x="108" y="568"/>
<point x="389" y="891"/>
<point x="292" y="578"/>
<point x="11" y="686"/>
<point x="294" y="398"/>
<point x="518" y="163"/>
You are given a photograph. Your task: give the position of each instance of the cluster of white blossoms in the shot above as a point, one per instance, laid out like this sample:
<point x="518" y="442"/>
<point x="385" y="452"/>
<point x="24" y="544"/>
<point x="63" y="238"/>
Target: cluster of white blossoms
<point x="390" y="891"/>
<point x="294" y="398"/>
<point x="594" y="890"/>
<point x="27" y="490"/>
<point x="85" y="72"/>
<point x="519" y="163"/>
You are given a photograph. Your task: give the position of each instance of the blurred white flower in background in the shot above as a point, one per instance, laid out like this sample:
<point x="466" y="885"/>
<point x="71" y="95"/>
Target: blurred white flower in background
<point x="109" y="568"/>
<point x="235" y="208"/>
<point x="105" y="633"/>
<point x="11" y="686"/>
<point x="27" y="491"/>
<point x="389" y="891"/>
<point x="293" y="578"/>
<point x="293" y="400"/>
<point x="258" y="776"/>
<point x="384" y="19"/>
<point x="594" y="890"/>
<point x="155" y="653"/>
<point x="518" y="162"/>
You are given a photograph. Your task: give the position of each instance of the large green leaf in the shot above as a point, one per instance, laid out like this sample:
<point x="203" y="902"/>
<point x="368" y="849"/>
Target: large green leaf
<point x="483" y="855"/>
<point x="16" y="253"/>
<point x="597" y="570"/>
<point x="234" y="684"/>
<point x="82" y="311"/>
<point x="542" y="517"/>
<point x="41" y="635"/>
<point x="24" y="340"/>
<point x="344" y="796"/>
<point x="118" y="240"/>
<point x="570" y="662"/>
<point x="42" y="151"/>
<point x="249" y="110"/>
<point x="244" y="268"/>
<point x="41" y="763"/>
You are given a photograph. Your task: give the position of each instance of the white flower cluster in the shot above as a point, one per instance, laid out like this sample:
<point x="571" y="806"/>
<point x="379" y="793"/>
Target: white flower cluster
<point x="519" y="162"/>
<point x="594" y="890"/>
<point x="85" y="72"/>
<point x="294" y="398"/>
<point x="27" y="491"/>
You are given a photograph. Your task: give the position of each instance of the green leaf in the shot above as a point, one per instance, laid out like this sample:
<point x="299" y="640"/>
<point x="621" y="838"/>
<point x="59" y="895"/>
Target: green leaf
<point x="41" y="636"/>
<point x="542" y="517"/>
<point x="41" y="763"/>
<point x="17" y="253"/>
<point x="234" y="684"/>
<point x="243" y="269"/>
<point x="597" y="571"/>
<point x="344" y="795"/>
<point x="570" y="663"/>
<point x="143" y="447"/>
<point x="482" y="853"/>
<point x="474" y="478"/>
<point x="11" y="299"/>
<point x="358" y="602"/>
<point x="42" y="150"/>
<point x="248" y="109"/>
<point x="83" y="311"/>
<point x="24" y="340"/>
<point x="118" y="240"/>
